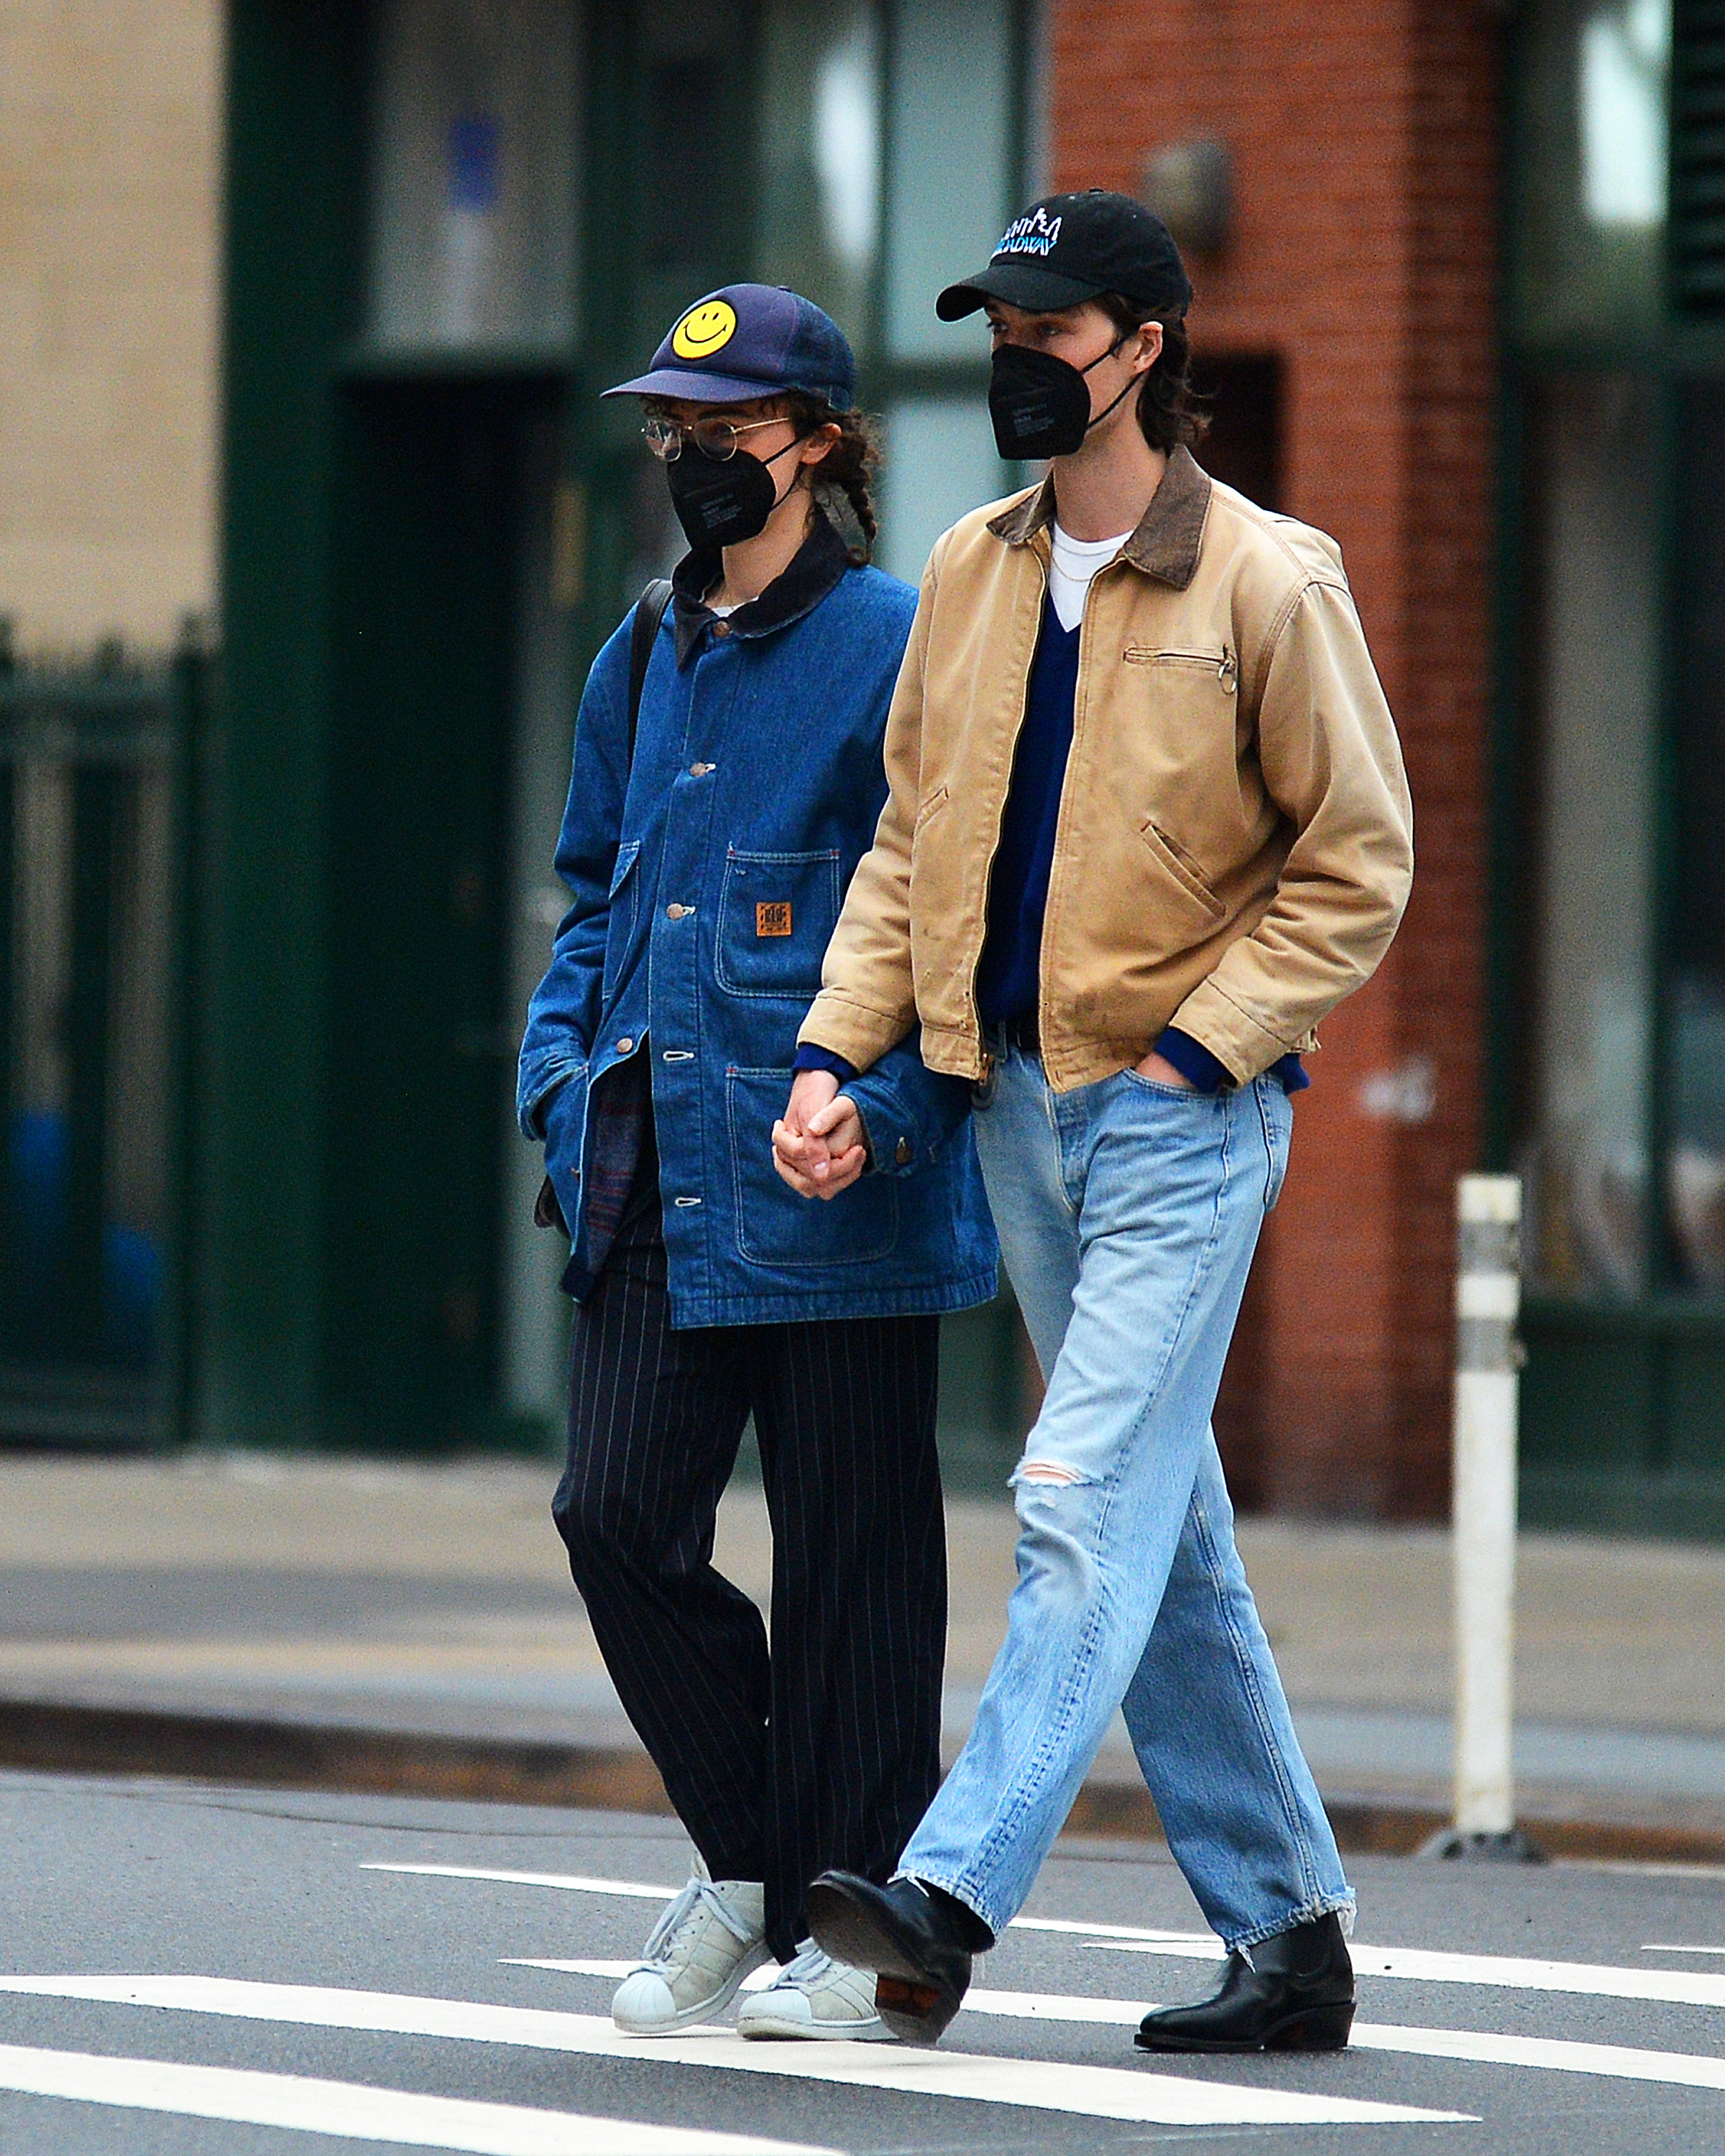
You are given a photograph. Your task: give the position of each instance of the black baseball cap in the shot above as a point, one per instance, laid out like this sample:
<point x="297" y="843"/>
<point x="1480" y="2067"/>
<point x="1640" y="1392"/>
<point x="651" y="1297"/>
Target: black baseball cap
<point x="746" y="341"/>
<point x="1067" y="249"/>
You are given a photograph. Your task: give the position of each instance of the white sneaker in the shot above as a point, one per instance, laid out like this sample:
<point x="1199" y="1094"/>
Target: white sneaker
<point x="815" y="1996"/>
<point x="709" y="1939"/>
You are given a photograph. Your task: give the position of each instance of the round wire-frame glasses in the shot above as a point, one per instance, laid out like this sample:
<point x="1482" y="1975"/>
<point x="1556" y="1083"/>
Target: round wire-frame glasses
<point x="716" y="438"/>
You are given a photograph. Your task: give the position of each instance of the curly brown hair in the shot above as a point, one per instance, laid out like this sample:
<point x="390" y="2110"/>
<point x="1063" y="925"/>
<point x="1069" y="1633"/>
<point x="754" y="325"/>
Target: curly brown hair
<point x="1170" y="411"/>
<point x="848" y="467"/>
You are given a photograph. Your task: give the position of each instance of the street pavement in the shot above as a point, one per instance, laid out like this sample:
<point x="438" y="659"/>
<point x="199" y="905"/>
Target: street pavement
<point x="434" y="1599"/>
<point x="234" y="1972"/>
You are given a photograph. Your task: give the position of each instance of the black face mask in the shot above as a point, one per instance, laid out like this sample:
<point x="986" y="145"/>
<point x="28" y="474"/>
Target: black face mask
<point x="1040" y="404"/>
<point x="722" y="503"/>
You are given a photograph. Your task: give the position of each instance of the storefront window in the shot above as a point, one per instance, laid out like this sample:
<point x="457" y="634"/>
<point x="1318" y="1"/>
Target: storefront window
<point x="1594" y="637"/>
<point x="1696" y="1165"/>
<point x="474" y="188"/>
<point x="940" y="460"/>
<point x="1591" y="214"/>
<point x="820" y="208"/>
<point x="954" y="170"/>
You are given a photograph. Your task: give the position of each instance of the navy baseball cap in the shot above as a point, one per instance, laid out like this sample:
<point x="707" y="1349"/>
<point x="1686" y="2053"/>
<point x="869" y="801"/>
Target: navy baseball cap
<point x="746" y="341"/>
<point x="1067" y="249"/>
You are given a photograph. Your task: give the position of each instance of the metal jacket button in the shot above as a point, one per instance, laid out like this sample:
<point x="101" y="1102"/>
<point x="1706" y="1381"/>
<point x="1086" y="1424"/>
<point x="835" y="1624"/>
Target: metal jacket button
<point x="903" y="1154"/>
<point x="699" y="770"/>
<point x="675" y="912"/>
<point x="625" y="1045"/>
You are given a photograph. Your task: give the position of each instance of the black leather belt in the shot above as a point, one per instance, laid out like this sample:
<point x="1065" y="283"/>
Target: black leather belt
<point x="1020" y="1033"/>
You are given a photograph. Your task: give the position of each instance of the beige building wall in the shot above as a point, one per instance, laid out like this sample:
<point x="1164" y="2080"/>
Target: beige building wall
<point x="111" y="124"/>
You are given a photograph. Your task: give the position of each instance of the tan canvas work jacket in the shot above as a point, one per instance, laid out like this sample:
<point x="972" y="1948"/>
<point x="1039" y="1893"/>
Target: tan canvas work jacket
<point x="1235" y="840"/>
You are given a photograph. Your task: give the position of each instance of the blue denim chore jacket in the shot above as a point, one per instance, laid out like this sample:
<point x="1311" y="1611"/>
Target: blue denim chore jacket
<point x="705" y="882"/>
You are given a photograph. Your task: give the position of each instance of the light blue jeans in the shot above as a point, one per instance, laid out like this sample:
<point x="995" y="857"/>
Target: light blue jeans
<point x="1128" y="1212"/>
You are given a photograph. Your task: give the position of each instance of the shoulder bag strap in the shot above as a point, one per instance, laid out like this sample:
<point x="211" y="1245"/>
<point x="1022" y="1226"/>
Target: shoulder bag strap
<point x="649" y="613"/>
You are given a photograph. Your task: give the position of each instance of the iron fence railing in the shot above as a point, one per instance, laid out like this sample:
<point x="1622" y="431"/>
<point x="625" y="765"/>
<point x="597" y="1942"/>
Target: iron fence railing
<point x="98" y="866"/>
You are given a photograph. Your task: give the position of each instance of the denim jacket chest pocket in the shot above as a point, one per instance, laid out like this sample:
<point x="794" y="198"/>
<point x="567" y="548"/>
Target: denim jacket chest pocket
<point x="777" y="914"/>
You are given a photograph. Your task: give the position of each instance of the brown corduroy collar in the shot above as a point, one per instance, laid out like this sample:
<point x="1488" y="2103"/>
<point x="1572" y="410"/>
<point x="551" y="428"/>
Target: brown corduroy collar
<point x="1165" y="544"/>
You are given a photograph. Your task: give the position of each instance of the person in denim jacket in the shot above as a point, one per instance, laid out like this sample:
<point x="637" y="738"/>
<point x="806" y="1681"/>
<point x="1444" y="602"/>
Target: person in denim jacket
<point x="707" y="852"/>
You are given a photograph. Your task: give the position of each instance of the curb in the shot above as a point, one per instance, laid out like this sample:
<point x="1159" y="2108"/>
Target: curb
<point x="65" y="1737"/>
<point x="72" y="1739"/>
<point x="1379" y="1826"/>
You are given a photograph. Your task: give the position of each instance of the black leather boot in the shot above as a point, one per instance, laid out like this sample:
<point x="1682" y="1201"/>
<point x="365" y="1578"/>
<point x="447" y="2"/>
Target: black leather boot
<point x="917" y="1940"/>
<point x="1295" y="1994"/>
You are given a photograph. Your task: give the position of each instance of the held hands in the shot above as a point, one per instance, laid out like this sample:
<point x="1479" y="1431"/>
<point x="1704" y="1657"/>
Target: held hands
<point x="818" y="1143"/>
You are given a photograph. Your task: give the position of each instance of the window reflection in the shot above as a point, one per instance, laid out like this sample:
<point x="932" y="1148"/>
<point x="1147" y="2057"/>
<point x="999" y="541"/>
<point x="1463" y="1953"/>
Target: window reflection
<point x="1696" y="1169"/>
<point x="821" y="154"/>
<point x="473" y="205"/>
<point x="1594" y="705"/>
<point x="1592" y="178"/>
<point x="1625" y="52"/>
<point x="954" y="177"/>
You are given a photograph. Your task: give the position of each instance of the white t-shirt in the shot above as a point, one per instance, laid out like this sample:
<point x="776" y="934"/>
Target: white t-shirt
<point x="1076" y="562"/>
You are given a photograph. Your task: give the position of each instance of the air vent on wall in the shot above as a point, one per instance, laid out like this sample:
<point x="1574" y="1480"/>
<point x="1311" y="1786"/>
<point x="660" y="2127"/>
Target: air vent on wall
<point x="1697" y="233"/>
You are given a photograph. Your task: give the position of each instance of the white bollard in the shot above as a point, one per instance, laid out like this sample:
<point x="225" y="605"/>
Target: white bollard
<point x="1487" y="1357"/>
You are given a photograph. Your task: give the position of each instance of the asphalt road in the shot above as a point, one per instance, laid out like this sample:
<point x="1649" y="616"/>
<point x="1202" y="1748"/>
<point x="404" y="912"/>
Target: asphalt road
<point x="227" y="1972"/>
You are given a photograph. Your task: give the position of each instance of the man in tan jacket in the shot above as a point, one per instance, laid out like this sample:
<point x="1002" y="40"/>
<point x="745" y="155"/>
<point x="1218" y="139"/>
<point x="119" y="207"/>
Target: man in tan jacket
<point x="1147" y="824"/>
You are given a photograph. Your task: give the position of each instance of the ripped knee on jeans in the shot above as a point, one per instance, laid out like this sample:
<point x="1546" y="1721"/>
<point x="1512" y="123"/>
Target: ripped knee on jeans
<point x="1054" y="1473"/>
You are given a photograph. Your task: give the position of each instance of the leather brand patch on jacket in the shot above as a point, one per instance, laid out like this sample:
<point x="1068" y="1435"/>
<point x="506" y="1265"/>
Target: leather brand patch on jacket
<point x="773" y="918"/>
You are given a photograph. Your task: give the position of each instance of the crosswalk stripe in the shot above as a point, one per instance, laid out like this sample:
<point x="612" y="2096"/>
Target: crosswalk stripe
<point x="1416" y="1964"/>
<point x="354" y="2111"/>
<point x="1143" y="2096"/>
<point x="758" y="1979"/>
<point x="1211" y="1945"/>
<point x="1476" y="2047"/>
<point x="570" y="1883"/>
<point x="1480" y="2048"/>
<point x="576" y="1883"/>
<point x="1424" y="1965"/>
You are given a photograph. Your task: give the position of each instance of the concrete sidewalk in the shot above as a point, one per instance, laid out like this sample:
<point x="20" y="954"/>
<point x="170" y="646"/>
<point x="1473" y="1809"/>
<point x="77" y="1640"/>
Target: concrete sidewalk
<point x="430" y="1606"/>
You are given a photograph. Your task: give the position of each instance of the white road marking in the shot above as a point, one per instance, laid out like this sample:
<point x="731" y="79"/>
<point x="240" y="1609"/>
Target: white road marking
<point x="575" y="1883"/>
<point x="1619" y="2061"/>
<point x="1478" y="2047"/>
<point x="1417" y="1964"/>
<point x="1422" y="1965"/>
<point x="569" y="1884"/>
<point x="1207" y="1940"/>
<point x="356" y="2113"/>
<point x="758" y="1979"/>
<point x="1143" y="2095"/>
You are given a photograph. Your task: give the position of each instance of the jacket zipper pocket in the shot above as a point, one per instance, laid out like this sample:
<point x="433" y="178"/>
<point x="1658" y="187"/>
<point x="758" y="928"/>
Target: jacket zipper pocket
<point x="1225" y="667"/>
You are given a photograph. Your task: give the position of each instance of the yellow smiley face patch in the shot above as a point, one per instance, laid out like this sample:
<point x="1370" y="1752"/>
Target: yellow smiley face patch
<point x="704" y="330"/>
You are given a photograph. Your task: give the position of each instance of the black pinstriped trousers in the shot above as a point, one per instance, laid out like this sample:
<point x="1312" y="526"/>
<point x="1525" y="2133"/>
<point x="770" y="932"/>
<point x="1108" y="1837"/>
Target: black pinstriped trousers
<point x="825" y="1748"/>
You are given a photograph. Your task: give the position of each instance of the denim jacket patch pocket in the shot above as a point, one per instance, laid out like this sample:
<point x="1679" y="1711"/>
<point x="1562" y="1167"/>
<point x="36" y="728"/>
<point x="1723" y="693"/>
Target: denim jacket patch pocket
<point x="777" y="914"/>
<point x="775" y="1226"/>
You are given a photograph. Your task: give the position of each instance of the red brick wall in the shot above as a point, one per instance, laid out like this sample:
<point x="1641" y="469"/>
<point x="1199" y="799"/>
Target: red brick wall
<point x="1364" y="134"/>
